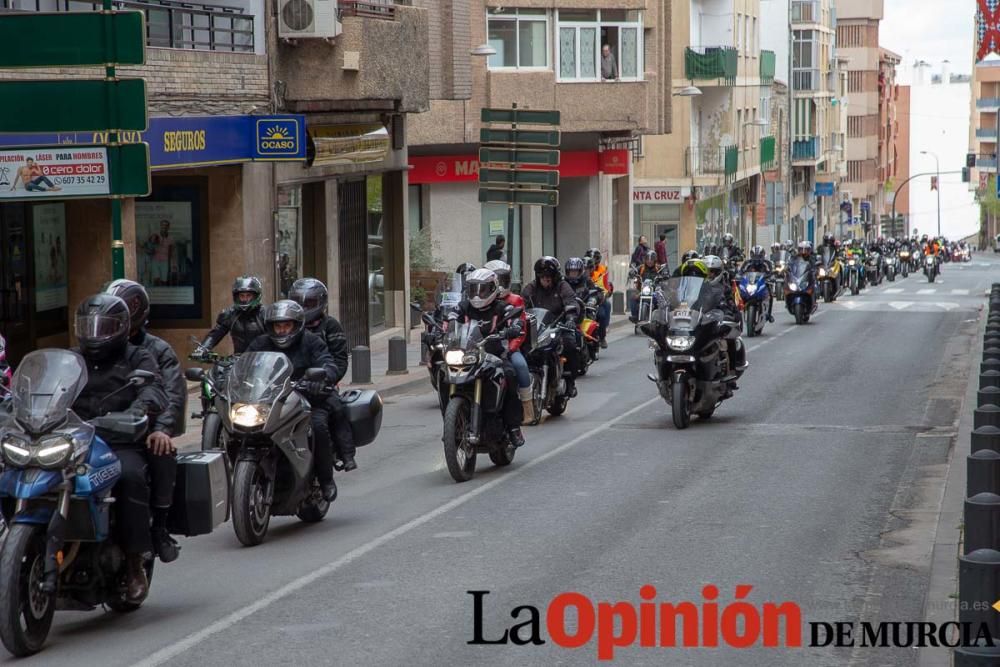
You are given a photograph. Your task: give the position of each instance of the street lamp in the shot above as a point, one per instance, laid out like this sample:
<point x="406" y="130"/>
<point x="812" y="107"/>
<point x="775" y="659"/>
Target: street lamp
<point x="937" y="162"/>
<point x="688" y="91"/>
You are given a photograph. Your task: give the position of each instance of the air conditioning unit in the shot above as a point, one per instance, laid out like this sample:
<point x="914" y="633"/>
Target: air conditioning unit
<point x="308" y="19"/>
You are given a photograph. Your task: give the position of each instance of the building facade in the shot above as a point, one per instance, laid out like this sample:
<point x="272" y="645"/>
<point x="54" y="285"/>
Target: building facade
<point x="546" y="57"/>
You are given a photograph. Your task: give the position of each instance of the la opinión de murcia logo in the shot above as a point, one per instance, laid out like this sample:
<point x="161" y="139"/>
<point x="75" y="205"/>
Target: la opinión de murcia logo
<point x="572" y="620"/>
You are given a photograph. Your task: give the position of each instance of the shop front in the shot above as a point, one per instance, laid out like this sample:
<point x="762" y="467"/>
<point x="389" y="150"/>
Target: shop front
<point x="668" y="211"/>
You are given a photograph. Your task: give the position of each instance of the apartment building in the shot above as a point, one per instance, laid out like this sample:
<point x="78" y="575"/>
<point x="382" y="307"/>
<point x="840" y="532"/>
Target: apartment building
<point x="544" y="57"/>
<point x="703" y="179"/>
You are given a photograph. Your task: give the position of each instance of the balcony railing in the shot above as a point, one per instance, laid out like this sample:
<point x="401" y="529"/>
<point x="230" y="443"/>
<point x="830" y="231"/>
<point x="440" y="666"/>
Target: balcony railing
<point x="807" y="149"/>
<point x="732" y="160"/>
<point x="371" y="9"/>
<point x="986" y="133"/>
<point x="704" y="160"/>
<point x="988" y="103"/>
<point x="805" y="11"/>
<point x="767" y="152"/>
<point x="767" y="66"/>
<point x="986" y="163"/>
<point x="711" y="62"/>
<point x="806" y="80"/>
<point x="174" y="25"/>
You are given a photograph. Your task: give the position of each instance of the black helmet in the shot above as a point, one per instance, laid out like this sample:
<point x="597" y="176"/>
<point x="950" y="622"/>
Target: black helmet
<point x="135" y="297"/>
<point x="596" y="254"/>
<point x="827" y="239"/>
<point x="102" y="326"/>
<point x="250" y="284"/>
<point x="574" y="271"/>
<point x="690" y="254"/>
<point x="588" y="264"/>
<point x="548" y="266"/>
<point x="727" y="240"/>
<point x="465" y="267"/>
<point x="312" y="295"/>
<point x="757" y="252"/>
<point x="285" y="310"/>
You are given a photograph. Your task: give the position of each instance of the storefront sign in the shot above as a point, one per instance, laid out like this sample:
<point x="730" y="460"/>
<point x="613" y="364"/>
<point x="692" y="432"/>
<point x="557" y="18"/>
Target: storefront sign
<point x="54" y="172"/>
<point x="458" y="168"/>
<point x="614" y="161"/>
<point x="824" y="189"/>
<point x="660" y="195"/>
<point x="349" y="144"/>
<point x="197" y="141"/>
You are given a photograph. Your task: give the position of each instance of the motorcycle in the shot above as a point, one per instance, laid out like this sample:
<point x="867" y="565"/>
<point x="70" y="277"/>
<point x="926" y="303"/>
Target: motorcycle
<point x="873" y="268"/>
<point x="269" y="440"/>
<point x="855" y="274"/>
<point x="476" y="382"/>
<point x="931" y="268"/>
<point x="904" y="262"/>
<point x="645" y="297"/>
<point x="800" y="297"/>
<point x="545" y="361"/>
<point x="829" y="274"/>
<point x="690" y="350"/>
<point x="61" y="551"/>
<point x="591" y="348"/>
<point x="212" y="433"/>
<point x="891" y="267"/>
<point x="432" y="337"/>
<point x="755" y="295"/>
<point x="780" y="268"/>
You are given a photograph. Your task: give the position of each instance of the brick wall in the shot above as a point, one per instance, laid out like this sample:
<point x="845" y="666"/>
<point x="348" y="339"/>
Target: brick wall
<point x="182" y="82"/>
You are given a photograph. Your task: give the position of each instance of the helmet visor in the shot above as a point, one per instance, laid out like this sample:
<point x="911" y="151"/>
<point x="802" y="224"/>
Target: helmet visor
<point x="477" y="290"/>
<point x="100" y="327"/>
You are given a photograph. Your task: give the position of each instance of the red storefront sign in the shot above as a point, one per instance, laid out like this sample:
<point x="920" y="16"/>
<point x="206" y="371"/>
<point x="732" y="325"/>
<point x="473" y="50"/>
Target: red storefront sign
<point x="457" y="168"/>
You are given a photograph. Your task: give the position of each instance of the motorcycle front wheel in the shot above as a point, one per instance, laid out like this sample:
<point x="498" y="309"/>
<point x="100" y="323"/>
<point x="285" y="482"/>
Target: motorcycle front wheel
<point x="679" y="404"/>
<point x="800" y="314"/>
<point x="251" y="511"/>
<point x="25" y="612"/>
<point x="459" y="453"/>
<point x="211" y="432"/>
<point x="752" y="321"/>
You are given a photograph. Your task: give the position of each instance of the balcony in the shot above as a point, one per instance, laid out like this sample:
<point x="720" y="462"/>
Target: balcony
<point x="806" y="81"/>
<point x="767" y="66"/>
<point x="986" y="163"/>
<point x="988" y="103"/>
<point x="989" y="133"/>
<point x="711" y="62"/>
<point x="807" y="150"/>
<point x="173" y="25"/>
<point x="767" y="152"/>
<point x="805" y="11"/>
<point x="732" y="160"/>
<point x="705" y="161"/>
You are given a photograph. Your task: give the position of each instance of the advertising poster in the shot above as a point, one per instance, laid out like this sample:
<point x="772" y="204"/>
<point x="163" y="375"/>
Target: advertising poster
<point x="288" y="247"/>
<point x="50" y="256"/>
<point x="165" y="252"/>
<point x="55" y="171"/>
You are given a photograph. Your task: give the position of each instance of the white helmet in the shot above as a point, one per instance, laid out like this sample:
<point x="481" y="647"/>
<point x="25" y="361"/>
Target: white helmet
<point x="502" y="269"/>
<point x="481" y="288"/>
<point x="714" y="266"/>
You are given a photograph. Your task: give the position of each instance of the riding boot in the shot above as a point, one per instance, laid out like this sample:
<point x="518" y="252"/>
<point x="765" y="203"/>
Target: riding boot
<point x="527" y="404"/>
<point x="136" y="582"/>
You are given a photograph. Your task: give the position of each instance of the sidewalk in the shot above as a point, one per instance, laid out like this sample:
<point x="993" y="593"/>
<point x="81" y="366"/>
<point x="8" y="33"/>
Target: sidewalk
<point x="386" y="385"/>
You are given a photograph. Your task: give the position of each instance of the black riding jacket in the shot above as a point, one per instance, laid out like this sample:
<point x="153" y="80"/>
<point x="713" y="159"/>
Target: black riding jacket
<point x="242" y="325"/>
<point x="171" y="421"/>
<point x="560" y="298"/>
<point x="308" y="352"/>
<point x="332" y="333"/>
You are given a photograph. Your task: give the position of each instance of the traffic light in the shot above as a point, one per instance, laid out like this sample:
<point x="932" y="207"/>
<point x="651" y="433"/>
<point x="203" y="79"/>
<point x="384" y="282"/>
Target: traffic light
<point x="970" y="160"/>
<point x="965" y="175"/>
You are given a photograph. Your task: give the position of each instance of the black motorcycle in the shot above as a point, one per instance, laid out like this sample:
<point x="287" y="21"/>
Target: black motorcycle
<point x="691" y="349"/>
<point x="800" y="291"/>
<point x="433" y="335"/>
<point x="545" y="360"/>
<point x="476" y="386"/>
<point x="212" y="434"/>
<point x="589" y="302"/>
<point x="873" y="268"/>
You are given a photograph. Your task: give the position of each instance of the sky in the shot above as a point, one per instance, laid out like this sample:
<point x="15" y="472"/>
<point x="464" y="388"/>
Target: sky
<point x="931" y="30"/>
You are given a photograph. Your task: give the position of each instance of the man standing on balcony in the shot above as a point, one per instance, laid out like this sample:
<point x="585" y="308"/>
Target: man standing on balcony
<point x="609" y="67"/>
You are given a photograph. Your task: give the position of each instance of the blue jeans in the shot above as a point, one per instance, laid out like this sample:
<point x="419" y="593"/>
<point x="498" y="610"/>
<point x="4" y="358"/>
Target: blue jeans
<point x="520" y="365"/>
<point x="604" y="318"/>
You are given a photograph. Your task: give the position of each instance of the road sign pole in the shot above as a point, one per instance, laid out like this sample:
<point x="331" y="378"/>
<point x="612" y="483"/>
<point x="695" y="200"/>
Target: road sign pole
<point x="510" y="206"/>
<point x="117" y="242"/>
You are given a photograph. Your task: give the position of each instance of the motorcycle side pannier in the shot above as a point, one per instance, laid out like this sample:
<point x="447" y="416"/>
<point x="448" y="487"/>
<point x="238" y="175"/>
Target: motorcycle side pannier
<point x="201" y="496"/>
<point x="364" y="412"/>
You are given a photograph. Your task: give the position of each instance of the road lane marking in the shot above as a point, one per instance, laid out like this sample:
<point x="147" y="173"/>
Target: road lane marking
<point x="900" y="305"/>
<point x="894" y="290"/>
<point x="926" y="291"/>
<point x="962" y="292"/>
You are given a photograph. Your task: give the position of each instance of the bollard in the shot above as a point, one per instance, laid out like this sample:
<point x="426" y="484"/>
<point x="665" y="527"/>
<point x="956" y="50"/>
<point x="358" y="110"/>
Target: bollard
<point x="989" y="365"/>
<point x="986" y="437"/>
<point x="978" y="589"/>
<point x="618" y="302"/>
<point x="397" y="356"/>
<point x="982" y="522"/>
<point x="987" y="415"/>
<point x="987" y="396"/>
<point x="361" y="365"/>
<point x="991" y="352"/>
<point x="989" y="379"/>
<point x="983" y="469"/>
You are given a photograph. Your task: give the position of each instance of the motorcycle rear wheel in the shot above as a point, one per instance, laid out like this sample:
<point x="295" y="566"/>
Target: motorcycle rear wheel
<point x="679" y="405"/>
<point x="505" y="456"/>
<point x="25" y="612"/>
<point x="314" y="511"/>
<point x="459" y="454"/>
<point x="559" y="405"/>
<point x="251" y="516"/>
<point x="212" y="433"/>
<point x="123" y="606"/>
<point x="536" y="397"/>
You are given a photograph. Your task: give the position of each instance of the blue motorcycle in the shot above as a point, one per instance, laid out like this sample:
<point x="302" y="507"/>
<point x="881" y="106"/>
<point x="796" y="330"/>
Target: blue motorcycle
<point x="60" y="551"/>
<point x="756" y="297"/>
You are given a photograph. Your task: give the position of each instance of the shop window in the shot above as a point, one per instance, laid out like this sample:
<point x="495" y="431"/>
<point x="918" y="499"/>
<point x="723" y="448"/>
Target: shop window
<point x="583" y="36"/>
<point x="520" y="37"/>
<point x="49" y="234"/>
<point x="494" y="223"/>
<point x="289" y="237"/>
<point x="376" y="254"/>
<point x="169" y="258"/>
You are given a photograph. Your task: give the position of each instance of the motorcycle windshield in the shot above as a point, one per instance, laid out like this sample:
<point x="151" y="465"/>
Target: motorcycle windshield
<point x="688" y="293"/>
<point x="464" y="336"/>
<point x="450" y="291"/>
<point x="45" y="386"/>
<point x="827" y="256"/>
<point x="798" y="270"/>
<point x="753" y="278"/>
<point x="258" y="377"/>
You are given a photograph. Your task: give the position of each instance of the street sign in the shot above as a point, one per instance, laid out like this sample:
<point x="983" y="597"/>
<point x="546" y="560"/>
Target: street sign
<point x="63" y="39"/>
<point x="527" y="138"/>
<point x="824" y="189"/>
<point x="519" y="116"/>
<point x="541" y="177"/>
<point x="516" y="156"/>
<point x="68" y="171"/>
<point x="73" y="105"/>
<point x="535" y="197"/>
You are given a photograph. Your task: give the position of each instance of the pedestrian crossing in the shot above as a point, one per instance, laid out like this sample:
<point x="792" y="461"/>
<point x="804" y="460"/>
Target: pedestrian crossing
<point x="924" y="291"/>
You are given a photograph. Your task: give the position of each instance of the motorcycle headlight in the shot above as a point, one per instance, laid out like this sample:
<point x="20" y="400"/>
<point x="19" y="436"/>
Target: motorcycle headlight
<point x="53" y="450"/>
<point x="930" y="261"/>
<point x="647" y="290"/>
<point x="904" y="255"/>
<point x="850" y="262"/>
<point x="793" y="286"/>
<point x="680" y="343"/>
<point x="470" y="359"/>
<point x="16" y="451"/>
<point x="246" y="414"/>
<point x="591" y="302"/>
<point x="822" y="272"/>
<point x="751" y="289"/>
<point x="454" y="357"/>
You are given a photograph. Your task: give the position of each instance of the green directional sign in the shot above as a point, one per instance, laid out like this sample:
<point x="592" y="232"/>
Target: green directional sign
<point x="518" y="156"/>
<point x="541" y="138"/>
<point x="543" y="177"/>
<point x="530" y="197"/>
<point x="129" y="164"/>
<point x="63" y="39"/>
<point x="526" y="116"/>
<point x="61" y="105"/>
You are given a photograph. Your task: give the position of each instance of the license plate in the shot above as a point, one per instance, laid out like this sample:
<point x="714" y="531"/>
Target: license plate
<point x="683" y="314"/>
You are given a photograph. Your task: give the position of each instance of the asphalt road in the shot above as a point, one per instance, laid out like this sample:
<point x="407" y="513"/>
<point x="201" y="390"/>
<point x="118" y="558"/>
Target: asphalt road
<point x="818" y="484"/>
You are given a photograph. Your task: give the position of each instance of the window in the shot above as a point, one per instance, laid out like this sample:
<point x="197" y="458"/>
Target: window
<point x="520" y="37"/>
<point x="581" y="36"/>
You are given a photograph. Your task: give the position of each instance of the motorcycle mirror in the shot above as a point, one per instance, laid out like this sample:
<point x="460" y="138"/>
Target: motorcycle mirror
<point x="428" y="319"/>
<point x="141" y="378"/>
<point x="314" y="375"/>
<point x="512" y="312"/>
<point x="194" y="374"/>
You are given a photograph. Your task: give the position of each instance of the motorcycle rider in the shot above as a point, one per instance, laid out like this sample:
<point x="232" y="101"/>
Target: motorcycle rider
<point x="102" y="324"/>
<point x="243" y="321"/>
<point x="482" y="303"/>
<point x="758" y="264"/>
<point x="313" y="296"/>
<point x="464" y="269"/>
<point x="776" y="249"/>
<point x="649" y="269"/>
<point x="549" y="291"/>
<point x="599" y="276"/>
<point x="735" y="252"/>
<point x="722" y="299"/>
<point x="502" y="271"/>
<point x="169" y="424"/>
<point x="285" y="331"/>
